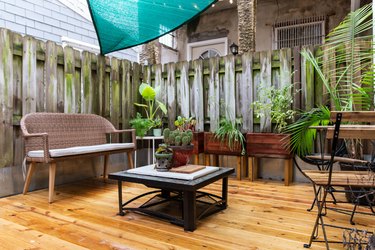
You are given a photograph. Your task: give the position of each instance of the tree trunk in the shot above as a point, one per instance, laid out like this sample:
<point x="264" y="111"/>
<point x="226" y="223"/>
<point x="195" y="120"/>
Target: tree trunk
<point x="150" y="53"/>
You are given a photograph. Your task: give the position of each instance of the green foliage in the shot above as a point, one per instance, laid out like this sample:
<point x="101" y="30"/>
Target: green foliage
<point x="149" y="93"/>
<point x="302" y="138"/>
<point x="141" y="125"/>
<point x="171" y="138"/>
<point x="177" y="140"/>
<point x="279" y="105"/>
<point x="184" y="124"/>
<point x="347" y="72"/>
<point x="166" y="134"/>
<point x="164" y="149"/>
<point x="186" y="140"/>
<point x="157" y="123"/>
<point x="228" y="131"/>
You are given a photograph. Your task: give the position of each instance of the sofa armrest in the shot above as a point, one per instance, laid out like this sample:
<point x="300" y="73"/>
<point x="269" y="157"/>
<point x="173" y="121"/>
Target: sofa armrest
<point x="132" y="131"/>
<point x="44" y="143"/>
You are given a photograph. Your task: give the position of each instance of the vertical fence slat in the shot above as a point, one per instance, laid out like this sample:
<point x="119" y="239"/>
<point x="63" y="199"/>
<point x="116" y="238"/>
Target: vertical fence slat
<point x="246" y="92"/>
<point x="95" y="86"/>
<point x="51" y="77"/>
<point x="40" y="80"/>
<point x="197" y="105"/>
<point x="229" y="88"/>
<point x="6" y="98"/>
<point x="185" y="90"/>
<point x="126" y="98"/>
<point x="171" y="94"/>
<point x="307" y="82"/>
<point x="115" y="87"/>
<point x="136" y="97"/>
<point x="60" y="82"/>
<point x="17" y="103"/>
<point x="100" y="69"/>
<point x="159" y="82"/>
<point x="297" y="78"/>
<point x="86" y="82"/>
<point x="70" y="98"/>
<point x="29" y="75"/>
<point x="265" y="81"/>
<point x="213" y="94"/>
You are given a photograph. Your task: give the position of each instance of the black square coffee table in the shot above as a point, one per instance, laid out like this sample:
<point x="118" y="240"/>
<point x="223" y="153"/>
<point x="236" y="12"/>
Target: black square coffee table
<point x="184" y="192"/>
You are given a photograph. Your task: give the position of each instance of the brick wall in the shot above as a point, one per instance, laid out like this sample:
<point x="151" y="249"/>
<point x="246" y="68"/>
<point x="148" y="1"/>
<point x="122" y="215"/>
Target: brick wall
<point x="50" y="20"/>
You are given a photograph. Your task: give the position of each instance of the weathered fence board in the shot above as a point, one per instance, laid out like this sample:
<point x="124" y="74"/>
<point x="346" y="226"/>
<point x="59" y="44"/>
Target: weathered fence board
<point x="246" y="92"/>
<point x="307" y="81"/>
<point x="171" y="94"/>
<point x="51" y="77"/>
<point x="71" y="96"/>
<point x="265" y="81"/>
<point x="116" y="92"/>
<point x="213" y="94"/>
<point x="184" y="89"/>
<point x="196" y="92"/>
<point x="86" y="76"/>
<point x="6" y="99"/>
<point x="229" y="88"/>
<point x="29" y="74"/>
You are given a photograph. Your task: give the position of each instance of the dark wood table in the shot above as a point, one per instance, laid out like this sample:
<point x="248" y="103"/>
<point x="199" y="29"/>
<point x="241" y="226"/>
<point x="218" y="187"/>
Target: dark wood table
<point x="182" y="191"/>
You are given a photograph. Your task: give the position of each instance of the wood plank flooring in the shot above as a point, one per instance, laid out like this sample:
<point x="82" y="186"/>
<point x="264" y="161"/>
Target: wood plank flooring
<point x="261" y="215"/>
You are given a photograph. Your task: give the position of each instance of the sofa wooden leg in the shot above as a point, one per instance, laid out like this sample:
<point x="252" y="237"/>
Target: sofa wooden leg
<point x="130" y="159"/>
<point x="106" y="160"/>
<point x="52" y="174"/>
<point x="30" y="172"/>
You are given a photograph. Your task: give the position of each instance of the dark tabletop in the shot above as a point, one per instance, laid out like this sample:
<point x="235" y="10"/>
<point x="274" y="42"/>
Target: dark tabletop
<point x="170" y="183"/>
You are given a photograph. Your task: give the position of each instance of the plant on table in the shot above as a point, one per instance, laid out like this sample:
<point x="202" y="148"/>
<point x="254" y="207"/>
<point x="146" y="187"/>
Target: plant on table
<point x="183" y="123"/>
<point x="163" y="156"/>
<point x="180" y="142"/>
<point x="157" y="125"/>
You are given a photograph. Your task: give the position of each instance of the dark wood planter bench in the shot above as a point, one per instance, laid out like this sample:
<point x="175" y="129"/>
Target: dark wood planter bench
<point x="216" y="147"/>
<point x="54" y="137"/>
<point x="268" y="145"/>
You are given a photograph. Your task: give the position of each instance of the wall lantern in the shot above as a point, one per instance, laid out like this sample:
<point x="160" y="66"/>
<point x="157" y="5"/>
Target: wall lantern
<point x="234" y="49"/>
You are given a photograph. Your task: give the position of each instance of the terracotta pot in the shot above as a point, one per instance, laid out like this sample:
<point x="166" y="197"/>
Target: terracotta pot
<point x="268" y="145"/>
<point x="181" y="155"/>
<point x="214" y="146"/>
<point x="198" y="142"/>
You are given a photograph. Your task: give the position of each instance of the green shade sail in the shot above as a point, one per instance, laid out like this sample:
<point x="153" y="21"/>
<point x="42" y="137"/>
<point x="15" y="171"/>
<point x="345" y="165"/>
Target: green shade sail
<point x="121" y="24"/>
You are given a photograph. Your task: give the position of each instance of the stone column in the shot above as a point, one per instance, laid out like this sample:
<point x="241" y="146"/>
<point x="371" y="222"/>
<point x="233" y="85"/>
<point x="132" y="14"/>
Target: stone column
<point x="246" y="25"/>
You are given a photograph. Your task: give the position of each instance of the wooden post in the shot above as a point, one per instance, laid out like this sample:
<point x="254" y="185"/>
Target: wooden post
<point x="288" y="171"/>
<point x="196" y="159"/>
<point x="207" y="159"/>
<point x="238" y="168"/>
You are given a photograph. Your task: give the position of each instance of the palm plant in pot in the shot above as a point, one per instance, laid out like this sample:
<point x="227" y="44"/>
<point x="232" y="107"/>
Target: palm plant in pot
<point x="278" y="108"/>
<point x="180" y="142"/>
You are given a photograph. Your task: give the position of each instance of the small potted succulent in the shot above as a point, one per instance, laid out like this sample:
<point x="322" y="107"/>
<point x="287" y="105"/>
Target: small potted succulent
<point x="157" y="125"/>
<point x="164" y="157"/>
<point x="180" y="142"/>
<point x="185" y="124"/>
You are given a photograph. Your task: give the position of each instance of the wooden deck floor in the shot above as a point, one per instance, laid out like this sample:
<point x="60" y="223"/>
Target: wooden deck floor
<point x="260" y="216"/>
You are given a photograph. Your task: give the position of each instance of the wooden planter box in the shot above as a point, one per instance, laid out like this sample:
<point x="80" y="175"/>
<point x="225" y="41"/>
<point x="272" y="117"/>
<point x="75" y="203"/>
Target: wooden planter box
<point x="214" y="146"/>
<point x="217" y="147"/>
<point x="198" y="142"/>
<point x="268" y="145"/>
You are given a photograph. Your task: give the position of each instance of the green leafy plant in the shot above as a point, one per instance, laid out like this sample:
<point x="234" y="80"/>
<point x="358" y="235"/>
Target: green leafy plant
<point x="229" y="131"/>
<point x="149" y="93"/>
<point x="279" y="106"/>
<point x="346" y="70"/>
<point x="163" y="149"/>
<point x="141" y="125"/>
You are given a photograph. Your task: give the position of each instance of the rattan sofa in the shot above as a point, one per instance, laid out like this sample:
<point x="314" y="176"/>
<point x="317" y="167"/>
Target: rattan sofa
<point x="54" y="137"/>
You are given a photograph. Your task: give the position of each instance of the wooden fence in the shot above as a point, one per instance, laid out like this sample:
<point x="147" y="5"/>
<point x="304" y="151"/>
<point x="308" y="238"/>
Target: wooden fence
<point x="37" y="76"/>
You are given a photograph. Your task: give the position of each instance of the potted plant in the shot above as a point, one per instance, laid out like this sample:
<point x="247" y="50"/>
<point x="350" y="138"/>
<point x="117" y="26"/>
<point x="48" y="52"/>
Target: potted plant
<point x="226" y="140"/>
<point x="279" y="109"/>
<point x="141" y="125"/>
<point x="180" y="142"/>
<point x="152" y="105"/>
<point x="185" y="124"/>
<point x="163" y="156"/>
<point x="157" y="125"/>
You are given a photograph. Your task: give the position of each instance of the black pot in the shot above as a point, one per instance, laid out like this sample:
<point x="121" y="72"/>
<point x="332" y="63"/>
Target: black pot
<point x="163" y="162"/>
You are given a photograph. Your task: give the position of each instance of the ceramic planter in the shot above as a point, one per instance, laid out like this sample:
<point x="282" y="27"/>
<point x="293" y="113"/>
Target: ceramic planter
<point x="181" y="155"/>
<point x="157" y="132"/>
<point x="163" y="161"/>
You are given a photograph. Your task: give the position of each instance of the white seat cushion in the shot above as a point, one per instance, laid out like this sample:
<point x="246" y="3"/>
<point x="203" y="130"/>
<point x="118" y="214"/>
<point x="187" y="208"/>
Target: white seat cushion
<point x="81" y="150"/>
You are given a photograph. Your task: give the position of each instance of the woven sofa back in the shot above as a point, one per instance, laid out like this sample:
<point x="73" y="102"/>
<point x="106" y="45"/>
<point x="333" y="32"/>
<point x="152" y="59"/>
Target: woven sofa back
<point x="65" y="130"/>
